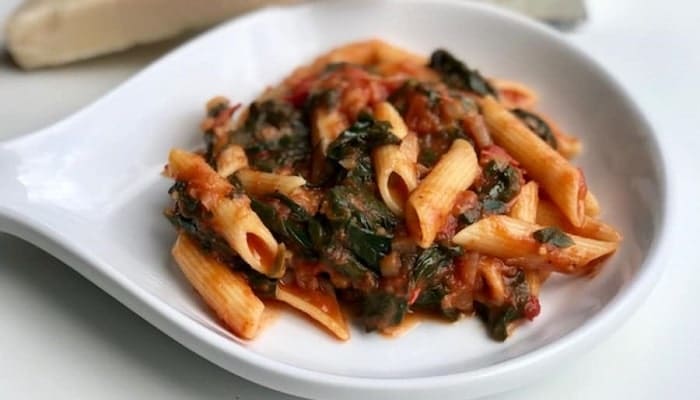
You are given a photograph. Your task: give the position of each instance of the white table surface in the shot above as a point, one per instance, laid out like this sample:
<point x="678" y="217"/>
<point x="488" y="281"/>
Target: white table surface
<point x="63" y="338"/>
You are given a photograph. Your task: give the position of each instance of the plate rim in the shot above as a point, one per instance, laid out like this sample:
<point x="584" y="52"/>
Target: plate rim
<point x="297" y="380"/>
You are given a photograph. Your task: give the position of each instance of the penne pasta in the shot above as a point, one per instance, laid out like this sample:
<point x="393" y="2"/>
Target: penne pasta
<point x="396" y="176"/>
<point x="386" y="53"/>
<point x="549" y="215"/>
<point x="430" y="203"/>
<point x="567" y="145"/>
<point x="384" y="111"/>
<point x="515" y="95"/>
<point x="396" y="173"/>
<point x="490" y="270"/>
<point x="512" y="240"/>
<point x="320" y="304"/>
<point x="591" y="205"/>
<point x="524" y="207"/>
<point x="243" y="230"/>
<point x="361" y="53"/>
<point x="534" y="279"/>
<point x="225" y="291"/>
<point x="231" y="159"/>
<point x="410" y="147"/>
<point x="378" y="219"/>
<point x="231" y="217"/>
<point x="327" y="125"/>
<point x="202" y="182"/>
<point x="564" y="183"/>
<point x="259" y="183"/>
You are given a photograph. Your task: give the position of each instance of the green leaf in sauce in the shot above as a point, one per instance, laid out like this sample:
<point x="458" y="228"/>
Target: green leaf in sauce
<point x="292" y="226"/>
<point x="537" y="125"/>
<point x="428" y="273"/>
<point x="343" y="263"/>
<point x="501" y="181"/>
<point x="458" y="75"/>
<point x="554" y="236"/>
<point x="262" y="285"/>
<point x="273" y="135"/>
<point x="381" y="310"/>
<point x="360" y="138"/>
<point x="367" y="245"/>
<point x="498" y="318"/>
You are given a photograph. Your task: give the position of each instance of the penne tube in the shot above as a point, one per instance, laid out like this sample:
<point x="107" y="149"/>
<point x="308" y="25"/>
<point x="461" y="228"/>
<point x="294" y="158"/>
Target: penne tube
<point x="360" y="53"/>
<point x="231" y="159"/>
<point x="534" y="279"/>
<point x="225" y="291"/>
<point x="326" y="127"/>
<point x="384" y="111"/>
<point x="524" y="207"/>
<point x="386" y="53"/>
<point x="430" y="203"/>
<point x="410" y="147"/>
<point x="564" y="183"/>
<point x="202" y="182"/>
<point x="567" y="145"/>
<point x="514" y="94"/>
<point x="396" y="176"/>
<point x="512" y="241"/>
<point x="490" y="270"/>
<point x="243" y="230"/>
<point x="591" y="205"/>
<point x="259" y="183"/>
<point x="549" y="215"/>
<point x="321" y="305"/>
<point x="216" y="102"/>
<point x="231" y="217"/>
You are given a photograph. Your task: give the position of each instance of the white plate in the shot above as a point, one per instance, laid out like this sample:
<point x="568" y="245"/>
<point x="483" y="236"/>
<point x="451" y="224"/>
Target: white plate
<point x="88" y="190"/>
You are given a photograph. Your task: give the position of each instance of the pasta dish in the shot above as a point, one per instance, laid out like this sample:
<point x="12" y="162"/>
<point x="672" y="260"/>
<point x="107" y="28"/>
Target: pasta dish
<point x="374" y="184"/>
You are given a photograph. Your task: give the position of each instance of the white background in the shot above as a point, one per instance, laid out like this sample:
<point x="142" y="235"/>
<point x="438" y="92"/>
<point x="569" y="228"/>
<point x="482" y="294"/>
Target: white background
<point x="63" y="338"/>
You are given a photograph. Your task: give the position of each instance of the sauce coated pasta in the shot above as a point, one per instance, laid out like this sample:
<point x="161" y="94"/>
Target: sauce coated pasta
<point x="375" y="183"/>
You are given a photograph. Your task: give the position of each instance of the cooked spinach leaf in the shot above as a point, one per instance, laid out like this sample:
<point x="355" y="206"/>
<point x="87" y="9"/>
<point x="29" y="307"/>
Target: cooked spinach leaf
<point x="292" y="227"/>
<point x="501" y="182"/>
<point x="351" y="149"/>
<point x="364" y="221"/>
<point x="497" y="318"/>
<point x="491" y="206"/>
<point x="188" y="215"/>
<point x="369" y="246"/>
<point x="537" y="125"/>
<point x="365" y="134"/>
<point x="323" y="98"/>
<point x="554" y="236"/>
<point x="428" y="157"/>
<point x="273" y="135"/>
<point x="401" y="98"/>
<point x="262" y="285"/>
<point x="457" y="75"/>
<point x="343" y="262"/>
<point x="430" y="298"/>
<point x="381" y="310"/>
<point x="428" y="274"/>
<point x="346" y="202"/>
<point x="432" y="261"/>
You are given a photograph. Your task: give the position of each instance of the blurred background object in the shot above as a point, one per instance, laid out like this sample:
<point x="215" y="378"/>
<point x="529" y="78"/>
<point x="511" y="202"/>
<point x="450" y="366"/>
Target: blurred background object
<point x="51" y="32"/>
<point x="42" y="33"/>
<point x="563" y="14"/>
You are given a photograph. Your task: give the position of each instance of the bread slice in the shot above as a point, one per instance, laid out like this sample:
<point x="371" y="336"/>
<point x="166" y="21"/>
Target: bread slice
<point x="51" y="32"/>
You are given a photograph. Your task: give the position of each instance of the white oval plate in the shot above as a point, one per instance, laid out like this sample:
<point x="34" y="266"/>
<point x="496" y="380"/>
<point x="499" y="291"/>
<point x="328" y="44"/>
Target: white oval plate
<point x="88" y="190"/>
